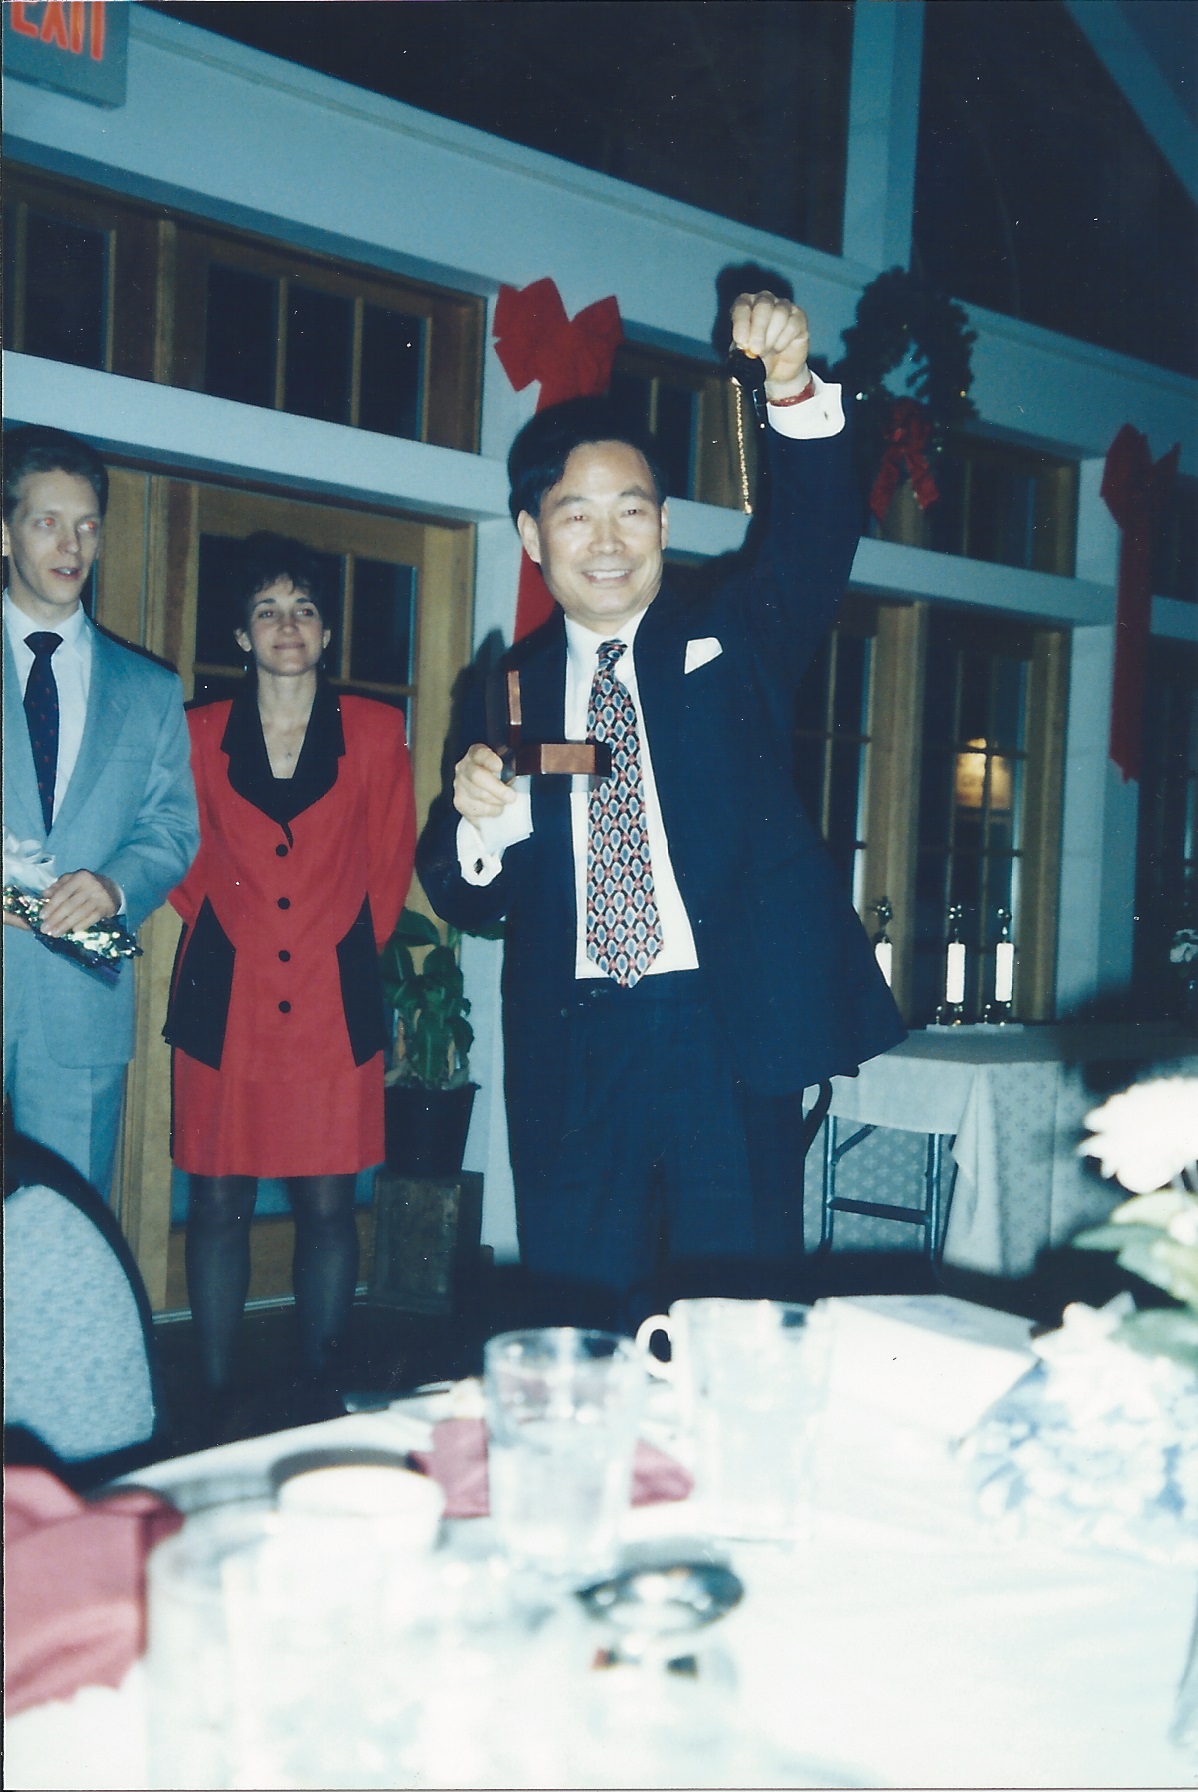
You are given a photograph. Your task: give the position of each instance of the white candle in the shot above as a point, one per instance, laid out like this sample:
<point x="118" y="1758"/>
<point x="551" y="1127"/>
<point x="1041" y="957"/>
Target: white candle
<point x="1004" y="970"/>
<point x="954" y="989"/>
<point x="884" y="953"/>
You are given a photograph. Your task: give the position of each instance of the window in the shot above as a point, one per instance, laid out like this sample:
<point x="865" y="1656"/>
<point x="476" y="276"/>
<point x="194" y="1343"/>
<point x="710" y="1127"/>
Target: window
<point x="136" y="290"/>
<point x="68" y="254"/>
<point x="1175" y="547"/>
<point x="269" y="327"/>
<point x="988" y="775"/>
<point x="276" y="342"/>
<point x="687" y="409"/>
<point x="997" y="502"/>
<point x="832" y="738"/>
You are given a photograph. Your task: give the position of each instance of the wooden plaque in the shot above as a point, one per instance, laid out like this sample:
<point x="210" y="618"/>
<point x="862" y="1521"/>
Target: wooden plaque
<point x="550" y="758"/>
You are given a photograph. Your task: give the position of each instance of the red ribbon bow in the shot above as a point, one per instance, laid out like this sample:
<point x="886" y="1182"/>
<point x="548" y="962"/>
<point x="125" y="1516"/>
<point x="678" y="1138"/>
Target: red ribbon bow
<point x="906" y="439"/>
<point x="1135" y="492"/>
<point x="572" y="358"/>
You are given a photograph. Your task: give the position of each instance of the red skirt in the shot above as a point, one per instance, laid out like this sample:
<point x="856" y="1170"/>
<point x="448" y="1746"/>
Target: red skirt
<point x="278" y="1126"/>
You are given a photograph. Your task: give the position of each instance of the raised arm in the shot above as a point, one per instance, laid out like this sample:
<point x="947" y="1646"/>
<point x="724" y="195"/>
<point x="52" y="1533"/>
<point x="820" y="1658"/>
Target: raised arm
<point x="800" y="551"/>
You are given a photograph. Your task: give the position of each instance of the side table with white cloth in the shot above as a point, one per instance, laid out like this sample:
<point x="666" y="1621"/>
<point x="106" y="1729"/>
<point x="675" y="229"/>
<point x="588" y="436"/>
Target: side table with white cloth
<point x="903" y="1641"/>
<point x="1008" y="1103"/>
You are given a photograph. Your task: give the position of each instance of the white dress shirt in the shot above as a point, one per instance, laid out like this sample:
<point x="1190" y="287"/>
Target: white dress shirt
<point x="72" y="668"/>
<point x="481" y="847"/>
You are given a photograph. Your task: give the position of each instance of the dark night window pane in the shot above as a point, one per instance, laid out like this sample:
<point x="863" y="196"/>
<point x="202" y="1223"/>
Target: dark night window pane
<point x="1001" y="513"/>
<point x="384" y="622"/>
<point x="65" y="280"/>
<point x="934" y="797"/>
<point x="674" y="437"/>
<point x="940" y="682"/>
<point x="319" y="347"/>
<point x="1009" y="679"/>
<point x="1175" y="546"/>
<point x="630" y="395"/>
<point x="850" y="698"/>
<point x="391" y="387"/>
<point x="975" y="698"/>
<point x="332" y="583"/>
<point x="216" y="604"/>
<point x="218" y="612"/>
<point x="241" y="334"/>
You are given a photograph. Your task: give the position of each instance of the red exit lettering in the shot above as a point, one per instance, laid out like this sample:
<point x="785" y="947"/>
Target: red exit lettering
<point x="55" y="29"/>
<point x="54" y="25"/>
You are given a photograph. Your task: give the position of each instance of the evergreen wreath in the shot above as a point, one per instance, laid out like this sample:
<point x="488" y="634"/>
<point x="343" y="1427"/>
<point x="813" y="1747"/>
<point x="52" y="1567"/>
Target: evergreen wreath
<point x="898" y="312"/>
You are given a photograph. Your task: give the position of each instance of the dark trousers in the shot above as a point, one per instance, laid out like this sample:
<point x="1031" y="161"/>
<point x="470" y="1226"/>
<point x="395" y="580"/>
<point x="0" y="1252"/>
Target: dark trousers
<point x="661" y="1176"/>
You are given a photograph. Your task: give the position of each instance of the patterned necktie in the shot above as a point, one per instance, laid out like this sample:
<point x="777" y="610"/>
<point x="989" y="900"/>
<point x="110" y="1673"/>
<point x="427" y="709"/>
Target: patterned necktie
<point x="41" y="712"/>
<point x="623" y="925"/>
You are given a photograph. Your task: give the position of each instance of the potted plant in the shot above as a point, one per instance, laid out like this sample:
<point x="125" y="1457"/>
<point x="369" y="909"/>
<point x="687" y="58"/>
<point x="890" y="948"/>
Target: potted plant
<point x="428" y="1092"/>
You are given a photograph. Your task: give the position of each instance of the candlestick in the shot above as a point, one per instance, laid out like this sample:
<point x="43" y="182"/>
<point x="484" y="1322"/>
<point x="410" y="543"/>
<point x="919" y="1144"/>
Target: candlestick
<point x="883" y="948"/>
<point x="951" y="1011"/>
<point x="998" y="1012"/>
<point x="954" y="985"/>
<point x="1004" y="971"/>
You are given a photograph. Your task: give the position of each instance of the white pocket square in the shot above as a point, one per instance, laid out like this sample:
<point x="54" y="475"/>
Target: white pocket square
<point x="699" y="652"/>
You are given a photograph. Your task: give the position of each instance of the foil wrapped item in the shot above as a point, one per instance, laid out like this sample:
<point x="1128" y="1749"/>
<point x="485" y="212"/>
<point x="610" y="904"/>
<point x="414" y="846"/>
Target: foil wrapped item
<point x="28" y="874"/>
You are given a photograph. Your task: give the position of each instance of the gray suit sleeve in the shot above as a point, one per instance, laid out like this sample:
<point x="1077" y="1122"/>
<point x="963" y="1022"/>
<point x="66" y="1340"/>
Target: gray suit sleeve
<point x="165" y="837"/>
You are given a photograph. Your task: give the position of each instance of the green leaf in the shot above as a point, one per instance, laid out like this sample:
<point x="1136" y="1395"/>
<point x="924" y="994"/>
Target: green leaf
<point x="1159" y="1332"/>
<point x="1115" y="1238"/>
<point x="415" y="929"/>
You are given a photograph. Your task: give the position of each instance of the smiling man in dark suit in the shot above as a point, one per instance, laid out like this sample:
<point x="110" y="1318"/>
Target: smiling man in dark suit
<point x="678" y="948"/>
<point x="97" y="775"/>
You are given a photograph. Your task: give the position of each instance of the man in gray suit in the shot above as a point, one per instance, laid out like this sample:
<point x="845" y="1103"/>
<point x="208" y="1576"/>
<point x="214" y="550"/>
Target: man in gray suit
<point x="96" y="774"/>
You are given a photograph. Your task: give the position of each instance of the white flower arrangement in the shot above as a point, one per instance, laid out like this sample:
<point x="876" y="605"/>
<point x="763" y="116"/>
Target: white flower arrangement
<point x="1147" y="1138"/>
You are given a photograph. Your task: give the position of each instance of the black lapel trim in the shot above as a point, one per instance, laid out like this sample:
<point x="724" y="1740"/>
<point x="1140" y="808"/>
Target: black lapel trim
<point x="282" y="799"/>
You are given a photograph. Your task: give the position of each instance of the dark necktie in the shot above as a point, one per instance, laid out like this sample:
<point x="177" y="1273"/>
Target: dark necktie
<point x="623" y="926"/>
<point x="41" y="712"/>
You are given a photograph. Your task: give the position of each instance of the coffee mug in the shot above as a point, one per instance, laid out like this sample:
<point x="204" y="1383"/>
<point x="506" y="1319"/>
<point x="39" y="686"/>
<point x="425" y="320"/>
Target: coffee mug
<point x="750" y="1379"/>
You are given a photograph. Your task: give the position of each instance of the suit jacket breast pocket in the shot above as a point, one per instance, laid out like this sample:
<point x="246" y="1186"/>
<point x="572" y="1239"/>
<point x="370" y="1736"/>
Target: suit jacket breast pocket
<point x="362" y="988"/>
<point x="198" y="1011"/>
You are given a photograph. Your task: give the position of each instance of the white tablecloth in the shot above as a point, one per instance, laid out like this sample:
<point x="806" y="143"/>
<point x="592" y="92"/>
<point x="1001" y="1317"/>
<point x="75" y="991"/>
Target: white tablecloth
<point x="1013" y="1100"/>
<point x="904" y="1643"/>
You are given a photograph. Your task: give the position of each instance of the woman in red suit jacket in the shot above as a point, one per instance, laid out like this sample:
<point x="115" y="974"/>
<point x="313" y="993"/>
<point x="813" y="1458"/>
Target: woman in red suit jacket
<point x="307" y="834"/>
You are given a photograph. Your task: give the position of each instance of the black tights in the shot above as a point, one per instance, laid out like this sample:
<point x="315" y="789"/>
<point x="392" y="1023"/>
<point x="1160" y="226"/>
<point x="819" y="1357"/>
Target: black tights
<point x="324" y="1269"/>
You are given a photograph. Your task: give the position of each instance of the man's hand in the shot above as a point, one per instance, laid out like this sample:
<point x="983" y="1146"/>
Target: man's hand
<point x="76" y="899"/>
<point x="776" y="331"/>
<point x="478" y="791"/>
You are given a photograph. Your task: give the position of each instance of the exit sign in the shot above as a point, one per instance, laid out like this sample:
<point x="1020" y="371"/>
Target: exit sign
<point x="78" y="47"/>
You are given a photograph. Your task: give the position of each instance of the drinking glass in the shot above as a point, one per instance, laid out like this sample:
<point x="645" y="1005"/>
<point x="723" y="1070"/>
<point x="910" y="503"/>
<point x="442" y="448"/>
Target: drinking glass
<point x="269" y="1654"/>
<point x="563" y="1409"/>
<point x="752" y="1377"/>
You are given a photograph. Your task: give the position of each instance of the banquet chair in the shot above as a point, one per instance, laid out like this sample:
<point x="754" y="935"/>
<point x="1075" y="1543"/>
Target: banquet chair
<point x="929" y="1216"/>
<point x="81" y="1382"/>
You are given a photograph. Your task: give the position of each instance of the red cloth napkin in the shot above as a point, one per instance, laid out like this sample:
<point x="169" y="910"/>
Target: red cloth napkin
<point x="74" y="1585"/>
<point x="458" y="1460"/>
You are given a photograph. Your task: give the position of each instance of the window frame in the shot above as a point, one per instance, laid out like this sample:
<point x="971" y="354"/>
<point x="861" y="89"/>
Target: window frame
<point x="157" y="284"/>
